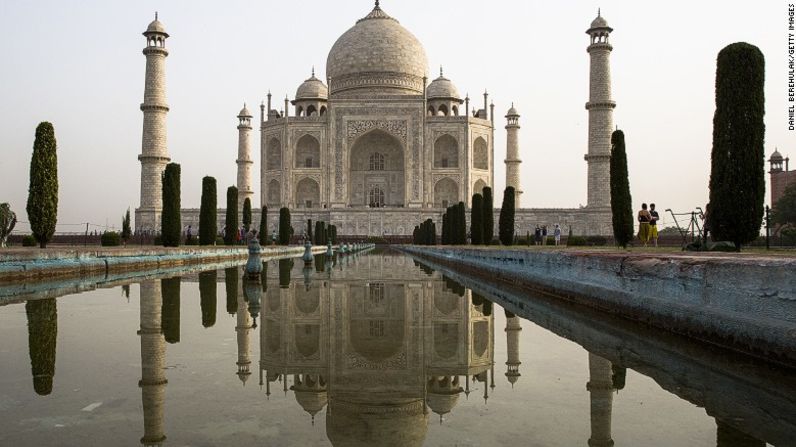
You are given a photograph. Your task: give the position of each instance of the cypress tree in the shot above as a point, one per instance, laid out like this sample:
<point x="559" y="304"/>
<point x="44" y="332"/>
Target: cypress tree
<point x="127" y="231"/>
<point x="284" y="226"/>
<point x="489" y="216"/>
<point x="264" y="226"/>
<point x="309" y="230"/>
<point x="247" y="214"/>
<point x="42" y="204"/>
<point x="461" y="220"/>
<point x="506" y="220"/>
<point x="208" y="220"/>
<point x="737" y="175"/>
<point x="42" y="337"/>
<point x="621" y="203"/>
<point x="208" y="296"/>
<point x="231" y="287"/>
<point x="170" y="309"/>
<point x="476" y="220"/>
<point x="231" y="217"/>
<point x="416" y="235"/>
<point x="170" y="221"/>
<point x="433" y="228"/>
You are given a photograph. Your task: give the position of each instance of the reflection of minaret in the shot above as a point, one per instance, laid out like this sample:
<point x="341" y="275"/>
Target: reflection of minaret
<point x="243" y="329"/>
<point x="601" y="390"/>
<point x="42" y="335"/>
<point x="513" y="328"/>
<point x="153" y="368"/>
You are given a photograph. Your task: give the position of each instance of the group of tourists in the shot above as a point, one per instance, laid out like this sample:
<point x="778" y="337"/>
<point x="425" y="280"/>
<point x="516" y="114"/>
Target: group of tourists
<point x="648" y="224"/>
<point x="540" y="235"/>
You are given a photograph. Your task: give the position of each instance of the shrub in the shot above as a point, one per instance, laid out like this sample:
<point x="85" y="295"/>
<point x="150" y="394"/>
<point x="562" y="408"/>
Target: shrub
<point x="192" y="241"/>
<point x="42" y="203"/>
<point x="219" y="240"/>
<point x="208" y="212"/>
<point x="737" y="174"/>
<point x="596" y="241"/>
<point x="111" y="239"/>
<point x="576" y="241"/>
<point x="551" y="240"/>
<point x="28" y="241"/>
<point x="157" y="240"/>
<point x="170" y="222"/>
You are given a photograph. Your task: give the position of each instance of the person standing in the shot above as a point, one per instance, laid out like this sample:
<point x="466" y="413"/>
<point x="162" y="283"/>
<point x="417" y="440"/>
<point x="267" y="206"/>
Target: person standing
<point x="644" y="219"/>
<point x="189" y="236"/>
<point x="544" y="234"/>
<point x="557" y="234"/>
<point x="654" y="224"/>
<point x="537" y="235"/>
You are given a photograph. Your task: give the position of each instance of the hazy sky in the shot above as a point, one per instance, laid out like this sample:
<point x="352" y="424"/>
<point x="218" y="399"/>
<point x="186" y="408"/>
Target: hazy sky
<point x="79" y="65"/>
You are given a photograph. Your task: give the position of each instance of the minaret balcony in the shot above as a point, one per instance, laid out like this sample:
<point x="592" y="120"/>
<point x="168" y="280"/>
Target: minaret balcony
<point x="600" y="105"/>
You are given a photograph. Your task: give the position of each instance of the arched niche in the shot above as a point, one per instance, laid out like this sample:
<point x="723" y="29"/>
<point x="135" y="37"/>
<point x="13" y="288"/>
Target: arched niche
<point x="446" y="193"/>
<point x="480" y="154"/>
<point x="446" y="339"/>
<point x="446" y="152"/>
<point x="308" y="152"/>
<point x="308" y="194"/>
<point x="274" y="193"/>
<point x="273" y="154"/>
<point x="307" y="338"/>
<point x="377" y="160"/>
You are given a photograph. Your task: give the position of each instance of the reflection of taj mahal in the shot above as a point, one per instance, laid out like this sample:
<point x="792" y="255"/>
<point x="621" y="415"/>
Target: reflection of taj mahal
<point x="377" y="146"/>
<point x="377" y="346"/>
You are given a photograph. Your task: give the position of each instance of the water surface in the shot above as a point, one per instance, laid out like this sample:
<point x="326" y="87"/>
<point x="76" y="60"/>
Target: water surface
<point x="374" y="349"/>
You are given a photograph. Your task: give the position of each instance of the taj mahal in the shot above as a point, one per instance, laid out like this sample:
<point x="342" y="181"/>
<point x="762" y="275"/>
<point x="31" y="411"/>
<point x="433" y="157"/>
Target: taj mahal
<point x="375" y="148"/>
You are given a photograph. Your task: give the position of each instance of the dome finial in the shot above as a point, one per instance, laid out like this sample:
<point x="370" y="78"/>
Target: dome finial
<point x="440" y="70"/>
<point x="156" y="15"/>
<point x="598" y="12"/>
<point x="377" y="4"/>
<point x="313" y="71"/>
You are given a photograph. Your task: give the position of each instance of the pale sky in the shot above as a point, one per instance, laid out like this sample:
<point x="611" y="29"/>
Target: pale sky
<point x="80" y="66"/>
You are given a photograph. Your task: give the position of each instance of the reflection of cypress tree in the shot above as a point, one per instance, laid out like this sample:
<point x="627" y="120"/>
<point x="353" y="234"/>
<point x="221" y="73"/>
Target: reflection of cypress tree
<point x="320" y="260"/>
<point x="479" y="300"/>
<point x="508" y="313"/>
<point x="264" y="276"/>
<point x="231" y="283"/>
<point x="285" y="266"/>
<point x="42" y="335"/>
<point x="126" y="291"/>
<point x="170" y="312"/>
<point x="618" y="375"/>
<point x="207" y="297"/>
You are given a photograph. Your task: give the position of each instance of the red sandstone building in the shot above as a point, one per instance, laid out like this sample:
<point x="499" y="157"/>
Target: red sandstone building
<point x="781" y="177"/>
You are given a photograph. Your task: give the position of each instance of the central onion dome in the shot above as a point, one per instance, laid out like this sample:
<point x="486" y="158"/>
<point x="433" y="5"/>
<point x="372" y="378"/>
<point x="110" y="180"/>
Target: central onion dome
<point x="377" y="54"/>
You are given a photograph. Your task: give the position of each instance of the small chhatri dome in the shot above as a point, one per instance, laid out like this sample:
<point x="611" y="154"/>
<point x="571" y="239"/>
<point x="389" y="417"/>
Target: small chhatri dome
<point x="776" y="156"/>
<point x="442" y="88"/>
<point x="599" y="23"/>
<point x="512" y="111"/>
<point x="377" y="52"/>
<point x="156" y="27"/>
<point x="312" y="88"/>
<point x="244" y="112"/>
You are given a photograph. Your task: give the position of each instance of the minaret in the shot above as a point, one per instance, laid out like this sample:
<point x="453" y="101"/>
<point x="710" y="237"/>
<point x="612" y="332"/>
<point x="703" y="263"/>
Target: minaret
<point x="513" y="152"/>
<point x="154" y="151"/>
<point x="153" y="363"/>
<point x="601" y="392"/>
<point x="244" y="161"/>
<point x="601" y="114"/>
<point x="513" y="328"/>
<point x="243" y="329"/>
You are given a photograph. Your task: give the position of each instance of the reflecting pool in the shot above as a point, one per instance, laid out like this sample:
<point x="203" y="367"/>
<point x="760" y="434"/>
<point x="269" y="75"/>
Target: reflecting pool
<point x="376" y="349"/>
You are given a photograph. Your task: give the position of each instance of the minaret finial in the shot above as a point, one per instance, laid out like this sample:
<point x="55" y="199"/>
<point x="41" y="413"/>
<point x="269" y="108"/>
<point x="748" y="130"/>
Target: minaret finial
<point x="313" y="71"/>
<point x="440" y="70"/>
<point x="377" y="4"/>
<point x="156" y="15"/>
<point x="598" y="12"/>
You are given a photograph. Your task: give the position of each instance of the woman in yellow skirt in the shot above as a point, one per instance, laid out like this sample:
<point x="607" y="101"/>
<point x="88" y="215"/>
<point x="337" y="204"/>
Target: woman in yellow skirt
<point x="644" y="229"/>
